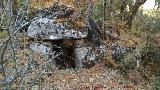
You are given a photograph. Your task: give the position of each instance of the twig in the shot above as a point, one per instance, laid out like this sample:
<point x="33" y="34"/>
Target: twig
<point x="24" y="26"/>
<point x="14" y="56"/>
<point x="3" y="69"/>
<point x="24" y="74"/>
<point x="104" y="12"/>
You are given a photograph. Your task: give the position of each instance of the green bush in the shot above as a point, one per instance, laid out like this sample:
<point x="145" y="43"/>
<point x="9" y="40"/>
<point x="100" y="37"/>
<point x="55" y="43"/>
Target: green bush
<point x="156" y="83"/>
<point x="151" y="52"/>
<point x="3" y="34"/>
<point x="98" y="12"/>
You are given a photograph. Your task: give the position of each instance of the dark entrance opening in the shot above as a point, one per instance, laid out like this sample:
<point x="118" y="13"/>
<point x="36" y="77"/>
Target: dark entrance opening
<point x="65" y="57"/>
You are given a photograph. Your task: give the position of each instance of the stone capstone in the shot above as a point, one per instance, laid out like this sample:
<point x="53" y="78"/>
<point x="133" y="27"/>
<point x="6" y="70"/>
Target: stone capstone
<point x="49" y="29"/>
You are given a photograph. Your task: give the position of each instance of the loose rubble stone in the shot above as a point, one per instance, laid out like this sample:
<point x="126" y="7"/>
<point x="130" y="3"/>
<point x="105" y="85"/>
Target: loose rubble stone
<point x="118" y="51"/>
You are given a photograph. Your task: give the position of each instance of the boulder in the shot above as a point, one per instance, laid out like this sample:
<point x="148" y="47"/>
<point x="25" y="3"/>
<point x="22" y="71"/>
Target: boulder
<point x="118" y="50"/>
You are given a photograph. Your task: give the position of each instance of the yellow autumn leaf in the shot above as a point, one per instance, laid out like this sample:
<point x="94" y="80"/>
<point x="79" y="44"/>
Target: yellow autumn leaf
<point x="130" y="42"/>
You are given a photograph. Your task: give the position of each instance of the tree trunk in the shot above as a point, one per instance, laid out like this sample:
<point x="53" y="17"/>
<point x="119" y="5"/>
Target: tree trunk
<point x="122" y="10"/>
<point x="134" y="11"/>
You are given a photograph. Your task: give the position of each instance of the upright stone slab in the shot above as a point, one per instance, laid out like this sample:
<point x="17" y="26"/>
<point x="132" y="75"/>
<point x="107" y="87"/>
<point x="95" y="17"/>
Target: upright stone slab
<point x="84" y="53"/>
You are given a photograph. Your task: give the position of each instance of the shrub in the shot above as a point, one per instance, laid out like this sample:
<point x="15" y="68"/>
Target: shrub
<point x="156" y="83"/>
<point x="98" y="12"/>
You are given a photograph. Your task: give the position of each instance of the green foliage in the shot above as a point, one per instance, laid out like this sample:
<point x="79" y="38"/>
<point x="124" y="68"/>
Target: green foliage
<point x="146" y="22"/>
<point x="155" y="20"/>
<point x="145" y="26"/>
<point x="151" y="52"/>
<point x="150" y="25"/>
<point x="98" y="12"/>
<point x="23" y="2"/>
<point x="3" y="34"/>
<point x="156" y="83"/>
<point x="138" y="25"/>
<point x="157" y="1"/>
<point x="128" y="61"/>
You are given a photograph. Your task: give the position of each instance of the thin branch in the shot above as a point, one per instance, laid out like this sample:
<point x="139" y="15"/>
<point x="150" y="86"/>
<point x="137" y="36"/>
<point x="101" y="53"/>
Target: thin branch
<point x="104" y="18"/>
<point x="14" y="56"/>
<point x="3" y="52"/>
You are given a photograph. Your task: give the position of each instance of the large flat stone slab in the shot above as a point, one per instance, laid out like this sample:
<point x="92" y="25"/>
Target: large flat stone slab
<point x="49" y="29"/>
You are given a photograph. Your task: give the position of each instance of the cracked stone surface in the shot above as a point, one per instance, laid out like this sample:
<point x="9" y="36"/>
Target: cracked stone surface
<point x="49" y="29"/>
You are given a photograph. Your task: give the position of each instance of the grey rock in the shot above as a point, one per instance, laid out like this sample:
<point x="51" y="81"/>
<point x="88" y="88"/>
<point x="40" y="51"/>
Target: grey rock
<point x="59" y="11"/>
<point x="102" y="49"/>
<point x="48" y="29"/>
<point x="9" y="79"/>
<point x="84" y="54"/>
<point x="37" y="47"/>
<point x="118" y="51"/>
